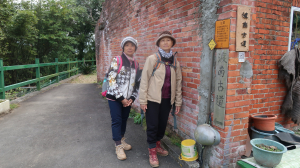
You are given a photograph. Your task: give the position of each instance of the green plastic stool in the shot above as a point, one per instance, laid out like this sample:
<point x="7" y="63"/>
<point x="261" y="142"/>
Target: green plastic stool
<point x="244" y="165"/>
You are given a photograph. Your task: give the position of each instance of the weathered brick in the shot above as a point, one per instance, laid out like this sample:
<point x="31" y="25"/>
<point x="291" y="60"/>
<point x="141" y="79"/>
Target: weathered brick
<point x="262" y="93"/>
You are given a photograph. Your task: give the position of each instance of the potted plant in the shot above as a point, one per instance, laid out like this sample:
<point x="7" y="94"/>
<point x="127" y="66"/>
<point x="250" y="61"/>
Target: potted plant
<point x="267" y="152"/>
<point x="264" y="122"/>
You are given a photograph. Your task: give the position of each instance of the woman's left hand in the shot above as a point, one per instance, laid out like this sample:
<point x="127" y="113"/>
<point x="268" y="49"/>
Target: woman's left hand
<point x="177" y="109"/>
<point x="129" y="103"/>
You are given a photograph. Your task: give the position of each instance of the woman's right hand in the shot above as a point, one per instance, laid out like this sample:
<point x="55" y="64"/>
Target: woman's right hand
<point x="144" y="107"/>
<point x="125" y="102"/>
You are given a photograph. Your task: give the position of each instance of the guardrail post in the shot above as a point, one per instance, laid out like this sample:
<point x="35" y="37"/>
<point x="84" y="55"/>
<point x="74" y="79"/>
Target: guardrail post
<point x="68" y="60"/>
<point x="76" y="66"/>
<point x="93" y="61"/>
<point x="2" y="94"/>
<point x="56" y="70"/>
<point x="38" y="75"/>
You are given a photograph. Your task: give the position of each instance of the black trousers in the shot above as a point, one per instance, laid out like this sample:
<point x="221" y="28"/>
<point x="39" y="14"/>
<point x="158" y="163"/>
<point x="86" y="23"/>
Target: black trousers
<point x="157" y="118"/>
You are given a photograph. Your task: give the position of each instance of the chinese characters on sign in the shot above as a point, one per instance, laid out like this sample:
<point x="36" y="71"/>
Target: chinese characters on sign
<point x="243" y="28"/>
<point x="220" y="87"/>
<point x="222" y="33"/>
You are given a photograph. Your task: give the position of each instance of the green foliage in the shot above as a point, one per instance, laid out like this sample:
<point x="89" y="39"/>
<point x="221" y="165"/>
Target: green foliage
<point x="176" y="141"/>
<point x="13" y="106"/>
<point x="46" y="29"/>
<point x="87" y="69"/>
<point x="167" y="133"/>
<point x="137" y="118"/>
<point x="297" y="132"/>
<point x="268" y="148"/>
<point x="100" y="83"/>
<point x="132" y="113"/>
<point x="144" y="124"/>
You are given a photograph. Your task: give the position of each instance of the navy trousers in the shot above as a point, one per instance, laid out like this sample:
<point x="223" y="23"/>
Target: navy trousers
<point x="119" y="116"/>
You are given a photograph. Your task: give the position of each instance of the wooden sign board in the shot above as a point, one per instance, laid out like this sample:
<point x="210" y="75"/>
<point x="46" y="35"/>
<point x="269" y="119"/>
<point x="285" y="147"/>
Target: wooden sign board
<point x="222" y="33"/>
<point x="243" y="28"/>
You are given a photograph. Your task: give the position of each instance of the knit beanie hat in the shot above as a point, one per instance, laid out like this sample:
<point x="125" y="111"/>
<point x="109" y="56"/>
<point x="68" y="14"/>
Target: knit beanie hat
<point x="131" y="39"/>
<point x="163" y="35"/>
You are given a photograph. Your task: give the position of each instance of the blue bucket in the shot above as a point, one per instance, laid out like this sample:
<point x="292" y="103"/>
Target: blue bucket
<point x="281" y="129"/>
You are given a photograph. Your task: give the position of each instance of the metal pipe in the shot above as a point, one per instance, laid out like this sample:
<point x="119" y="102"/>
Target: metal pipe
<point x="210" y="88"/>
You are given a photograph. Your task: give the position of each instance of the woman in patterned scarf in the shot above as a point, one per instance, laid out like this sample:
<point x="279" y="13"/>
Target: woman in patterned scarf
<point x="160" y="88"/>
<point x="122" y="91"/>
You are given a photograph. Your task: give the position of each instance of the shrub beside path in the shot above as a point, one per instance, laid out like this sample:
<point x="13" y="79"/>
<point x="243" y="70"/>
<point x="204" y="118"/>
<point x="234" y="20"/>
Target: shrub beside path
<point x="84" y="79"/>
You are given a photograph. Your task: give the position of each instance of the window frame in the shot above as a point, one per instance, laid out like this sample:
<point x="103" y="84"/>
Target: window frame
<point x="293" y="9"/>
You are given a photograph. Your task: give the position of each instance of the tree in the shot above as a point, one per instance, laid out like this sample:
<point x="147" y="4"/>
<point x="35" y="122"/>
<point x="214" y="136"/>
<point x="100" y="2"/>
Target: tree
<point x="84" y="31"/>
<point x="46" y="29"/>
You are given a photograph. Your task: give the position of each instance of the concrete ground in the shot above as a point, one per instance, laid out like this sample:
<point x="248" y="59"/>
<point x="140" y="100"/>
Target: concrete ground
<point x="68" y="127"/>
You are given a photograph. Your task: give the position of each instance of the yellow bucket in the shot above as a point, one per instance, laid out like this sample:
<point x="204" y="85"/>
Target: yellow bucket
<point x="188" y="150"/>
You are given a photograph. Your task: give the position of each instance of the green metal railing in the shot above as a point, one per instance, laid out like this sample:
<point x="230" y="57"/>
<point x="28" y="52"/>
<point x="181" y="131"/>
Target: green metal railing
<point x="38" y="78"/>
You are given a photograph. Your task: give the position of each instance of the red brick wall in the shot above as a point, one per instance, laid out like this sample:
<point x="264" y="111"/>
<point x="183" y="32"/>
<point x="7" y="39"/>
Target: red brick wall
<point x="239" y="96"/>
<point x="264" y="93"/>
<point x="296" y="3"/>
<point x="271" y="42"/>
<point x="144" y="20"/>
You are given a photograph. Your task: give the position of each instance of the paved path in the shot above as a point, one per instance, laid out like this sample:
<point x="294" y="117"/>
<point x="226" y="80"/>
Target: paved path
<point x="68" y="127"/>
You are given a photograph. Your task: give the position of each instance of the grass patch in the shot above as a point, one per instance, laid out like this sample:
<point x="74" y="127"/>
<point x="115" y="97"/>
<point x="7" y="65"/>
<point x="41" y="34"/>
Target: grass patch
<point x="85" y="79"/>
<point x="14" y="106"/>
<point x="100" y="83"/>
<point x="175" y="139"/>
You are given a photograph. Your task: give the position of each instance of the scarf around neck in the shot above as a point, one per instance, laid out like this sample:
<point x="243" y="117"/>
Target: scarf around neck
<point x="165" y="54"/>
<point x="129" y="58"/>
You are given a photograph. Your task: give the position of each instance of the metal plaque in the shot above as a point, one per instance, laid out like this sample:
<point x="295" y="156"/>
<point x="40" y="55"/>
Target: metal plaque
<point x="220" y="87"/>
<point x="222" y="33"/>
<point x="241" y="56"/>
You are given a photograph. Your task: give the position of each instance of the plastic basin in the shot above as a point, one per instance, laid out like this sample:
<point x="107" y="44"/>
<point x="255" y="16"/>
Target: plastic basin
<point x="264" y="122"/>
<point x="264" y="157"/>
<point x="258" y="134"/>
<point x="281" y="129"/>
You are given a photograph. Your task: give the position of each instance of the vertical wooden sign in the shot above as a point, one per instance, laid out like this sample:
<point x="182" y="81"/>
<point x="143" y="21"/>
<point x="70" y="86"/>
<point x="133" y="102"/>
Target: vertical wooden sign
<point x="220" y="87"/>
<point x="243" y="28"/>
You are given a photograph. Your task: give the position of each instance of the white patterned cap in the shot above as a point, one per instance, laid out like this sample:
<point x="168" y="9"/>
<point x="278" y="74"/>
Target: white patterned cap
<point x="131" y="39"/>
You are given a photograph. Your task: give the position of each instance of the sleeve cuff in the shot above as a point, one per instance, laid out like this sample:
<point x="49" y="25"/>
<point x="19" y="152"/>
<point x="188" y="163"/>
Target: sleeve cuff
<point x="132" y="98"/>
<point x="120" y="98"/>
